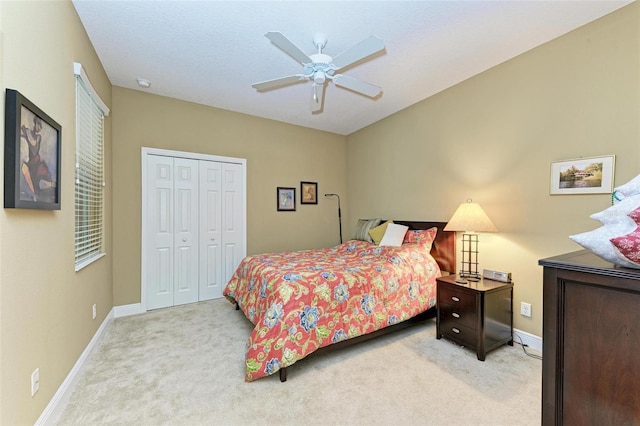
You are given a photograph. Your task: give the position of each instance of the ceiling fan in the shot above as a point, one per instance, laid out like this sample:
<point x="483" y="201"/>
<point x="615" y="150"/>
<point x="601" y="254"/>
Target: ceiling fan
<point x="319" y="68"/>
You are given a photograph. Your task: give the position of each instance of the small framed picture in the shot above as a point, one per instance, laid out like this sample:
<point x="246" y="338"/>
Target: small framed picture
<point x="592" y="175"/>
<point x="32" y="156"/>
<point x="286" y="199"/>
<point x="308" y="192"/>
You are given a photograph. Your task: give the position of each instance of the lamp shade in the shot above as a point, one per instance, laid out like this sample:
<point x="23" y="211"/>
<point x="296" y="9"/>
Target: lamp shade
<point x="470" y="217"/>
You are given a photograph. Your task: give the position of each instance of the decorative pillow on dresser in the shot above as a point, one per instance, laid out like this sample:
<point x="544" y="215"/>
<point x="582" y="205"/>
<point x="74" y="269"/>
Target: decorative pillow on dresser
<point x="628" y="189"/>
<point x="598" y="240"/>
<point x="620" y="209"/>
<point x="618" y="239"/>
<point x="628" y="246"/>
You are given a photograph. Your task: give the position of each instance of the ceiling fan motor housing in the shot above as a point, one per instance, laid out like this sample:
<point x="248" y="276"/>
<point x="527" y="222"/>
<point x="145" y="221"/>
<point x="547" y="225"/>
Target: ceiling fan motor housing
<point x="320" y="68"/>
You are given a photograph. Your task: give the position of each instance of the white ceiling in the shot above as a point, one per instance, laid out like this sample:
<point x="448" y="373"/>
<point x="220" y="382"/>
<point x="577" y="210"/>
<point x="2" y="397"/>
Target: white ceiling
<point x="210" y="52"/>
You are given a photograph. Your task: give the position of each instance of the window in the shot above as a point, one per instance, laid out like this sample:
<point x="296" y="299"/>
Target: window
<point x="89" y="212"/>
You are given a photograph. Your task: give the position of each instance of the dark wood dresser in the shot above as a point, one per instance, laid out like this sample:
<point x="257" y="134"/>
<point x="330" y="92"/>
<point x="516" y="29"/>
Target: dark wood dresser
<point x="591" y="342"/>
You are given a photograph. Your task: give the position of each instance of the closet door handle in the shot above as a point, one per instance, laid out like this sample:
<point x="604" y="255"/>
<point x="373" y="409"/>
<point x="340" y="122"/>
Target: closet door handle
<point x="184" y="240"/>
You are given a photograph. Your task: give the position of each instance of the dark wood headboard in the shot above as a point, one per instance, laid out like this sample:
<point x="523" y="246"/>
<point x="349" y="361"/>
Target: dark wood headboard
<point x="444" y="246"/>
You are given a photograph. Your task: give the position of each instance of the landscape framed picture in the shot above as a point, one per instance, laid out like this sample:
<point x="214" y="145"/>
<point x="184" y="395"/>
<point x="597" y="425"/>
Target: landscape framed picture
<point x="31" y="155"/>
<point x="592" y="175"/>
<point x="286" y="199"/>
<point x="308" y="192"/>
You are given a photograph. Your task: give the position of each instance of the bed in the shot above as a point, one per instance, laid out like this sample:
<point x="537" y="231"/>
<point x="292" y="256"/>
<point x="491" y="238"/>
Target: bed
<point x="300" y="302"/>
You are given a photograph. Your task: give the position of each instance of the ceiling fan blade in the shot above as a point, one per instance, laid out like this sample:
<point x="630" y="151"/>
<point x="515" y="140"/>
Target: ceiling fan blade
<point x="317" y="97"/>
<point x="356" y="85"/>
<point x="288" y="47"/>
<point x="278" y="82"/>
<point x="361" y="50"/>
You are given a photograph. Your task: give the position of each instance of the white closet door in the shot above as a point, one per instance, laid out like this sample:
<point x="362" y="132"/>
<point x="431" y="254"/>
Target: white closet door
<point x="211" y="276"/>
<point x="186" y="231"/>
<point x="232" y="218"/>
<point x="193" y="227"/>
<point x="159" y="222"/>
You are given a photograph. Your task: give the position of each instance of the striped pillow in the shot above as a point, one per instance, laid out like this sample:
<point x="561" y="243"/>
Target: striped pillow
<point x="363" y="226"/>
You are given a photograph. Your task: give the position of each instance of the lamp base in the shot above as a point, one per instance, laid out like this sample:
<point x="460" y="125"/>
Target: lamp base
<point x="469" y="276"/>
<point x="469" y="269"/>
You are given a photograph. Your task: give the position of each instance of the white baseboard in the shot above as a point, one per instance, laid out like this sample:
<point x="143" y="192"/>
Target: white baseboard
<point x="531" y="340"/>
<point x="59" y="401"/>
<point x="128" y="310"/>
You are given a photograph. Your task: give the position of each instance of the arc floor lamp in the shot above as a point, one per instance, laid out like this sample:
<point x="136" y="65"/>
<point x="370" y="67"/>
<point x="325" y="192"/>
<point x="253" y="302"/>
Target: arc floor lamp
<point x="339" y="213"/>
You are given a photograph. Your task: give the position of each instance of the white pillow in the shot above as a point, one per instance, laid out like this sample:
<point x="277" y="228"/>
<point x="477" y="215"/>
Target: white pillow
<point x="394" y="235"/>
<point x="623" y="208"/>
<point x="598" y="240"/>
<point x="628" y="189"/>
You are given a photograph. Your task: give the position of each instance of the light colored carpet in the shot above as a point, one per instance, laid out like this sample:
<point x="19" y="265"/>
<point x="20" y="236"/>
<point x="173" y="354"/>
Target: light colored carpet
<point x="185" y="366"/>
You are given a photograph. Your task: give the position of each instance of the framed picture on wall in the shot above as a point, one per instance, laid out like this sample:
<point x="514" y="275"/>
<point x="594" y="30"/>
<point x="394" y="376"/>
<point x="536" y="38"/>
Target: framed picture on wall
<point x="31" y="156"/>
<point x="592" y="175"/>
<point x="286" y="199"/>
<point x="308" y="192"/>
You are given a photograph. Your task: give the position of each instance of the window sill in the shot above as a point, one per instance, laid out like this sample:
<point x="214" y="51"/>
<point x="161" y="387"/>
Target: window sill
<point x="89" y="261"/>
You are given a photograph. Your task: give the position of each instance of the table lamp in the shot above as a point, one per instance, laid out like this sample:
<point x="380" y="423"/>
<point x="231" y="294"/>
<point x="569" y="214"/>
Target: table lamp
<point x="470" y="218"/>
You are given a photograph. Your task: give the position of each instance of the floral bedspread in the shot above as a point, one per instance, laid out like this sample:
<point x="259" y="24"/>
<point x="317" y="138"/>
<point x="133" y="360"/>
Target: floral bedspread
<point x="301" y="301"/>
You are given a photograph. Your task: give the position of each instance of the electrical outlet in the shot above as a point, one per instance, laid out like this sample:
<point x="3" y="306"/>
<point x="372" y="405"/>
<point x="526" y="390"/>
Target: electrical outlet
<point x="35" y="381"/>
<point x="94" y="311"/>
<point x="525" y="309"/>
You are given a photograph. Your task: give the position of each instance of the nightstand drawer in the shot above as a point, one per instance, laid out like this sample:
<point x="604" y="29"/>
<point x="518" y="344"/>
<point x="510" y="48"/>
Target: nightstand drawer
<point x="459" y="316"/>
<point x="452" y="296"/>
<point x="460" y="333"/>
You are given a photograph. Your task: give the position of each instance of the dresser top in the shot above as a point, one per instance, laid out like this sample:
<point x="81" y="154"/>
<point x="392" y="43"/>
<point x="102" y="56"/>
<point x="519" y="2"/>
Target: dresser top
<point x="586" y="261"/>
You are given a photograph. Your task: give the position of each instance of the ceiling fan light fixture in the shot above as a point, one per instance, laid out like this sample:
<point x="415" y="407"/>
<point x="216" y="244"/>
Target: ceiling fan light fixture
<point x="318" y="77"/>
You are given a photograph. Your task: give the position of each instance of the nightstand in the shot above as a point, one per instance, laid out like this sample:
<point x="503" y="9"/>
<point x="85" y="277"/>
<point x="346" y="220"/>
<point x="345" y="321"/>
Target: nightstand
<point x="478" y="315"/>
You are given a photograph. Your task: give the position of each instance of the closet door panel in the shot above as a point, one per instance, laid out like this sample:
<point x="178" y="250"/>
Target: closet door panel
<point x="233" y="224"/>
<point x="160" y="222"/>
<point x="186" y="259"/>
<point x="211" y="277"/>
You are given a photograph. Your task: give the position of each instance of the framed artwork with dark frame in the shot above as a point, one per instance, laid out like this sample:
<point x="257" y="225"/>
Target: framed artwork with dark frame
<point x="286" y="199"/>
<point x="308" y="192"/>
<point x="32" y="156"/>
<point x="591" y="175"/>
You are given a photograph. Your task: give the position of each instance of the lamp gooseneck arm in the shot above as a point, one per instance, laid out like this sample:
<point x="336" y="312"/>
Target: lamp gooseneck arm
<point x="339" y="213"/>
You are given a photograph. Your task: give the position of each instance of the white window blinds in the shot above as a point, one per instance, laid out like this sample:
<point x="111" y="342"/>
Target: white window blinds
<point x="89" y="194"/>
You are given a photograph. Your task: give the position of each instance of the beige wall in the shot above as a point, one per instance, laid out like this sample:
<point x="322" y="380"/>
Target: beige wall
<point x="492" y="138"/>
<point x="277" y="154"/>
<point x="45" y="307"/>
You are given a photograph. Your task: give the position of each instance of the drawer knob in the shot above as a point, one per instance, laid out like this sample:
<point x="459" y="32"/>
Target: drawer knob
<point x="455" y="315"/>
<point x="455" y="330"/>
<point x="455" y="299"/>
